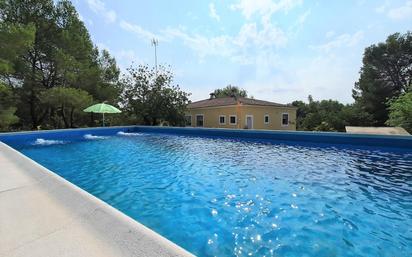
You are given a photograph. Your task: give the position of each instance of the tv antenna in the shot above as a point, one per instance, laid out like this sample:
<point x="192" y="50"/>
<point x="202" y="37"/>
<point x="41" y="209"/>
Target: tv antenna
<point x="155" y="43"/>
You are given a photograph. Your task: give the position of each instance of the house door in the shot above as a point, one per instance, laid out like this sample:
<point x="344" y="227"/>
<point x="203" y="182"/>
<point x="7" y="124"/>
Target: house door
<point x="199" y="120"/>
<point x="249" y="121"/>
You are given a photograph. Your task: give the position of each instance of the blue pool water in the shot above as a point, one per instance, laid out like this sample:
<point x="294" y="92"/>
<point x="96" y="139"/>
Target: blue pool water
<point x="227" y="197"/>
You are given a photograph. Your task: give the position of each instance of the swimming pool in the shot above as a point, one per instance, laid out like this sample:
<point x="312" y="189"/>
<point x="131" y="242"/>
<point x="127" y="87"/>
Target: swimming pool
<point x="222" y="196"/>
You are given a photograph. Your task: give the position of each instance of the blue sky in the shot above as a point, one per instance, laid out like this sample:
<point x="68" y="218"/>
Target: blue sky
<point x="277" y="50"/>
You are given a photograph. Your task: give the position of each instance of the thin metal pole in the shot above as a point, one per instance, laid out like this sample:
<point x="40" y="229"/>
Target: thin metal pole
<point x="155" y="42"/>
<point x="103" y="119"/>
<point x="156" y="56"/>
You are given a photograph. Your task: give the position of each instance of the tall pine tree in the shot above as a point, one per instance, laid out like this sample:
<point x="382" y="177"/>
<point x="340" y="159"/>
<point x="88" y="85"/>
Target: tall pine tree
<point x="386" y="73"/>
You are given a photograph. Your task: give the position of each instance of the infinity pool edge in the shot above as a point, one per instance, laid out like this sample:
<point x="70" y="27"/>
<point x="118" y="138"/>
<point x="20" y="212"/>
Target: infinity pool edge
<point x="339" y="138"/>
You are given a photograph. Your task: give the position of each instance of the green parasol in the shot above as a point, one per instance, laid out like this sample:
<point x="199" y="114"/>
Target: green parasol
<point x="102" y="108"/>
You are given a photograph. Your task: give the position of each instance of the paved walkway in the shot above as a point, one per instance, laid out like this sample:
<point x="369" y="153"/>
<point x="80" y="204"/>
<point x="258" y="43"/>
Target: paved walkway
<point x="42" y="215"/>
<point x="377" y="130"/>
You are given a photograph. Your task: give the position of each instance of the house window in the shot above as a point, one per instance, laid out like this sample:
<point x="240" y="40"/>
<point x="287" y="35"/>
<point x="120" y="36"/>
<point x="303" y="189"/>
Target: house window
<point x="232" y="120"/>
<point x="266" y="119"/>
<point x="188" y="119"/>
<point x="285" y="119"/>
<point x="222" y="120"/>
<point x="199" y="120"/>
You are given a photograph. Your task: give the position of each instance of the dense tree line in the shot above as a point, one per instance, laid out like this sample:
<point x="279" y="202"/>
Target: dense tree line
<point x="329" y="115"/>
<point x="385" y="75"/>
<point x="51" y="49"/>
<point x="50" y="70"/>
<point x="230" y="91"/>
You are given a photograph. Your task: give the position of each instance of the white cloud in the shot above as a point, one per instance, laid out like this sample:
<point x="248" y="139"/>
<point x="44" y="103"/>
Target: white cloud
<point x="99" y="7"/>
<point x="253" y="39"/>
<point x="124" y="58"/>
<point x="80" y="16"/>
<point x="212" y="12"/>
<point x="344" y="40"/>
<point x="279" y="79"/>
<point x="396" y="13"/>
<point x="138" y="30"/>
<point x="360" y="2"/>
<point x="330" y="75"/>
<point x="264" y="7"/>
<point x="192" y="16"/>
<point x="323" y="77"/>
<point x="88" y="21"/>
<point x="330" y="34"/>
<point x="201" y="45"/>
<point x="242" y="48"/>
<point x="302" y="18"/>
<point x="383" y="7"/>
<point x="255" y="44"/>
<point x="102" y="46"/>
<point x="269" y="36"/>
<point x="402" y="12"/>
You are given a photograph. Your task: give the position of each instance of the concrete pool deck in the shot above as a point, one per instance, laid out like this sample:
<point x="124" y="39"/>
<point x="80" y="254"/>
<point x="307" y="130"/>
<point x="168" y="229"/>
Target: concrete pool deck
<point x="42" y="214"/>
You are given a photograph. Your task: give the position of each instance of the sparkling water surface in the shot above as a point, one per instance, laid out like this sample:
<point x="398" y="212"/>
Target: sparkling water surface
<point x="226" y="197"/>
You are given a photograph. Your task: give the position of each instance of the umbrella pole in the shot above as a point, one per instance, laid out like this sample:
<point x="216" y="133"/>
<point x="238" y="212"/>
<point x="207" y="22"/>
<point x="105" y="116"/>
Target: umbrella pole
<point x="103" y="119"/>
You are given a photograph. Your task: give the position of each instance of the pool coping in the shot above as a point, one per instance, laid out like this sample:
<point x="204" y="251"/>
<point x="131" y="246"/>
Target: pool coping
<point x="24" y="132"/>
<point x="42" y="214"/>
<point x="393" y="141"/>
<point x="206" y="129"/>
<point x="339" y="138"/>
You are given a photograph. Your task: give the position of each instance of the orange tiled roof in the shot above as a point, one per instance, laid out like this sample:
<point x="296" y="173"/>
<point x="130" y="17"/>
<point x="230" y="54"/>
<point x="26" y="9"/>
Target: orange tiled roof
<point x="225" y="101"/>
